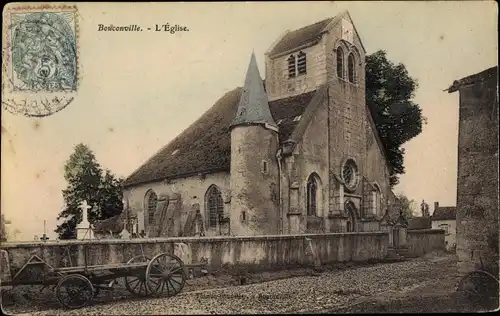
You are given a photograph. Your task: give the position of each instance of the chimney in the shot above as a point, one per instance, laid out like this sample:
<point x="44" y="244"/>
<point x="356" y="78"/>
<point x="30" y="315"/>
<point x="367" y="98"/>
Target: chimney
<point x="436" y="206"/>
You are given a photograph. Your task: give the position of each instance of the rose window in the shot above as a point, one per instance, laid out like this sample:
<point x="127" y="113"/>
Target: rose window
<point x="349" y="175"/>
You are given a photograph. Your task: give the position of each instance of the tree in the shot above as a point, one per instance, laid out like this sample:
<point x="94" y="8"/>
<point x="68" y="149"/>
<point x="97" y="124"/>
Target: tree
<point x="407" y="205"/>
<point x="86" y="182"/>
<point x="6" y="233"/>
<point x="3" y="232"/>
<point x="389" y="94"/>
<point x="110" y="196"/>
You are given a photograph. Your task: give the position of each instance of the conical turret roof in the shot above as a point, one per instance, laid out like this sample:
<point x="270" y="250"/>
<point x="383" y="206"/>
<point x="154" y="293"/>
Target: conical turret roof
<point x="253" y="107"/>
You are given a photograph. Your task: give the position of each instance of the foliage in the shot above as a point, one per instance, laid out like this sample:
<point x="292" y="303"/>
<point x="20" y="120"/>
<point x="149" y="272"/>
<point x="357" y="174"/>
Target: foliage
<point x="389" y="94"/>
<point x="3" y="232"/>
<point x="7" y="233"/>
<point x="87" y="182"/>
<point x="407" y="206"/>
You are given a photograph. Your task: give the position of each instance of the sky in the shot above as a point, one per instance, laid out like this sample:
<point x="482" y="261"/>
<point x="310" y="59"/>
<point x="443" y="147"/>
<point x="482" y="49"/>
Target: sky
<point x="138" y="90"/>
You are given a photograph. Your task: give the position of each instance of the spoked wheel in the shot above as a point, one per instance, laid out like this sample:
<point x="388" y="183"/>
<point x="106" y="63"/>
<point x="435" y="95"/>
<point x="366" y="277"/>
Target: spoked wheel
<point x="478" y="286"/>
<point x="74" y="291"/>
<point x="137" y="284"/>
<point x="165" y="275"/>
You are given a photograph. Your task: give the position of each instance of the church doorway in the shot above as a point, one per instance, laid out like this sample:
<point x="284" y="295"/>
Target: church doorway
<point x="350" y="210"/>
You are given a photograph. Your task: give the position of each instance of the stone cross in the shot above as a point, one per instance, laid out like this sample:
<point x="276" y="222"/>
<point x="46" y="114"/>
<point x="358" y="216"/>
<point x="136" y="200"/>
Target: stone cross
<point x="84" y="207"/>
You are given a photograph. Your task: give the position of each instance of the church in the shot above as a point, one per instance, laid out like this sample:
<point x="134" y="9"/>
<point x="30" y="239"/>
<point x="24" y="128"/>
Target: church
<point x="295" y="153"/>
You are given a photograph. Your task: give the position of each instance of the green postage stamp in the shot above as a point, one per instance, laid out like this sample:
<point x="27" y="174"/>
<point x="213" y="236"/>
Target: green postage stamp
<point x="40" y="65"/>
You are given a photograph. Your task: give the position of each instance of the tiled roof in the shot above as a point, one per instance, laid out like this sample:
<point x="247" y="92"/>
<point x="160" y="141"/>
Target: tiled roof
<point x="299" y="37"/>
<point x="205" y="146"/>
<point x="114" y="224"/>
<point x="419" y="223"/>
<point x="485" y="75"/>
<point x="445" y="213"/>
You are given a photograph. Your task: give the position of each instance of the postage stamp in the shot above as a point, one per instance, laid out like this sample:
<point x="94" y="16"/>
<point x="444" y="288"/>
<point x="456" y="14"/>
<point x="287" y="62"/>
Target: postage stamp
<point x="40" y="58"/>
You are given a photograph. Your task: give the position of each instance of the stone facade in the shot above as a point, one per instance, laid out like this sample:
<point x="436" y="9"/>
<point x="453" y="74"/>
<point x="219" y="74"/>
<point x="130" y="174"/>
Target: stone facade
<point x="254" y="181"/>
<point x="477" y="180"/>
<point x="323" y="169"/>
<point x="192" y="191"/>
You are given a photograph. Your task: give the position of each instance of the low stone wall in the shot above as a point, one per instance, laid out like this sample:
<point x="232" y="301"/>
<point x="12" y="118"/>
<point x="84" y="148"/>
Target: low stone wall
<point x="422" y="241"/>
<point x="256" y="252"/>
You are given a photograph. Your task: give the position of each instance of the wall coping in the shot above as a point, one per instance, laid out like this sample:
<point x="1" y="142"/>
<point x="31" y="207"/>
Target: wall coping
<point x="425" y="231"/>
<point x="29" y="244"/>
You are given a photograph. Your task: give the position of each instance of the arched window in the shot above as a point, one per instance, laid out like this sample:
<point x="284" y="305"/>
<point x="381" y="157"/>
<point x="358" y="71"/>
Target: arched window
<point x="291" y="66"/>
<point x="351" y="71"/>
<point x="340" y="62"/>
<point x="378" y="200"/>
<point x="151" y="202"/>
<point x="350" y="210"/>
<point x="312" y="196"/>
<point x="214" y="205"/>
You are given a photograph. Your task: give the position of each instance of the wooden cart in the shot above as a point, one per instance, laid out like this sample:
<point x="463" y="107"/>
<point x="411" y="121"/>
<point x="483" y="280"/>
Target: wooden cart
<point x="479" y="285"/>
<point x="76" y="286"/>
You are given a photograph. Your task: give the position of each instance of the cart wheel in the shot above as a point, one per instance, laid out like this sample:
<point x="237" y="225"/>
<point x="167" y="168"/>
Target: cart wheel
<point x="166" y="274"/>
<point x="137" y="284"/>
<point x="478" y="285"/>
<point x="74" y="291"/>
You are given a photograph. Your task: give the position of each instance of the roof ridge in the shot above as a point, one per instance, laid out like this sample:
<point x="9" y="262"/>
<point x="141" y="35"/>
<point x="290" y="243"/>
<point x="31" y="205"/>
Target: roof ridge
<point x="205" y="147"/>
<point x="190" y="126"/>
<point x="309" y="25"/>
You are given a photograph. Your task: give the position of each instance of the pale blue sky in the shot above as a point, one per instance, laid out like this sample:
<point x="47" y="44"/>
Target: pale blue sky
<point x="139" y="90"/>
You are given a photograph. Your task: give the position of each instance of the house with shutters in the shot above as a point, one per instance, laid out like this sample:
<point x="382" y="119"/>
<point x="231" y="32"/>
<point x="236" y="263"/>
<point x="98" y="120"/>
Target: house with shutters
<point x="295" y="153"/>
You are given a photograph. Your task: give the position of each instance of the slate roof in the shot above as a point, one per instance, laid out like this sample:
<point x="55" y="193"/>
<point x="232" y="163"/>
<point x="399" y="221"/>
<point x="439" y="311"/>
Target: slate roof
<point x="253" y="107"/>
<point x="419" y="223"/>
<point x="205" y="146"/>
<point x="299" y="37"/>
<point x="443" y="213"/>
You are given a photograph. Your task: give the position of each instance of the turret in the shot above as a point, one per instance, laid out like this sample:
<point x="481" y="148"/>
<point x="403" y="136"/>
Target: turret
<point x="254" y="170"/>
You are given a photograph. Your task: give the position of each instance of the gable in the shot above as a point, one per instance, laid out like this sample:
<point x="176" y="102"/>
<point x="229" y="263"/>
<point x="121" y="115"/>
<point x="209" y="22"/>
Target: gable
<point x="346" y="17"/>
<point x="205" y="146"/>
<point x="311" y="34"/>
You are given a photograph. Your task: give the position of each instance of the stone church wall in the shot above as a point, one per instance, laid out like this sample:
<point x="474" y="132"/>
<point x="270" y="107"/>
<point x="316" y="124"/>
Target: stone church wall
<point x="191" y="190"/>
<point x="347" y="112"/>
<point x="376" y="169"/>
<point x="312" y="157"/>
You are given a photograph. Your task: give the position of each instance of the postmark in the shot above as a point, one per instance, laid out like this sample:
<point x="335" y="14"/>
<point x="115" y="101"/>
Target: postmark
<point x="40" y="66"/>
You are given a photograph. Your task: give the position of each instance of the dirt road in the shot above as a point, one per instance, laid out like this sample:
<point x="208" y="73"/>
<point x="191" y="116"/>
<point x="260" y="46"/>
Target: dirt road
<point x="422" y="284"/>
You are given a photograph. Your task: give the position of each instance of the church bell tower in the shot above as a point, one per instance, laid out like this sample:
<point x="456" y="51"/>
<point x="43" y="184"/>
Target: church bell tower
<point x="254" y="169"/>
